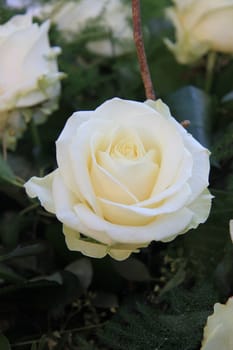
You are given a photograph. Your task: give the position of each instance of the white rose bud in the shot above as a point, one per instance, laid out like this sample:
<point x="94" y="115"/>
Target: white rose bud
<point x="29" y="75"/>
<point x="72" y="17"/>
<point x="127" y="174"/>
<point x="201" y="26"/>
<point x="218" y="332"/>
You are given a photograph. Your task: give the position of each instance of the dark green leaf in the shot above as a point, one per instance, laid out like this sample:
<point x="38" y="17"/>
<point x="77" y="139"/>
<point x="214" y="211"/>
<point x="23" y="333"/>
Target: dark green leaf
<point x="190" y="103"/>
<point x="27" y="250"/>
<point x="6" y="174"/>
<point x="8" y="274"/>
<point x="132" y="270"/>
<point x="82" y="268"/>
<point x="4" y="343"/>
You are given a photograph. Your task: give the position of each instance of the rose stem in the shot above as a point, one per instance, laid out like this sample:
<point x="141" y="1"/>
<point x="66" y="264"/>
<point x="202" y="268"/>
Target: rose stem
<point x="211" y="60"/>
<point x="4" y="148"/>
<point x="139" y="43"/>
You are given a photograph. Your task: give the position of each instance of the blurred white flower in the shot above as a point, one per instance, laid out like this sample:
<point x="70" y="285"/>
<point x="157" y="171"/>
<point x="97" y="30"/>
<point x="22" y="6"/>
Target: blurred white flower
<point x="29" y="76"/>
<point x="201" y="26"/>
<point x="18" y="3"/>
<point x="218" y="332"/>
<point x="72" y="17"/>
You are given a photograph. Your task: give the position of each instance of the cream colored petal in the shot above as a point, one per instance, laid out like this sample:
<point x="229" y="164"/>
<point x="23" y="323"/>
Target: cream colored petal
<point x="41" y="79"/>
<point x="121" y="254"/>
<point x="11" y="69"/>
<point x="198" y="180"/>
<point x="42" y="188"/>
<point x="17" y="22"/>
<point x="117" y="109"/>
<point x="65" y="205"/>
<point x="62" y="147"/>
<point x="201" y="166"/>
<point x="81" y="159"/>
<point x="201" y="208"/>
<point x="218" y="330"/>
<point x="121" y="214"/>
<point x="172" y="155"/>
<point x="208" y="29"/>
<point x="182" y="176"/>
<point x="104" y="183"/>
<point x="74" y="242"/>
<point x="65" y="201"/>
<point x="162" y="227"/>
<point x="96" y="249"/>
<point x="138" y="176"/>
<point x="106" y="186"/>
<point x="159" y="106"/>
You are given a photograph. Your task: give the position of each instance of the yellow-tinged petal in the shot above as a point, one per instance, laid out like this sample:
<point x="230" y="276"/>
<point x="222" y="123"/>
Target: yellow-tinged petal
<point x="218" y="332"/>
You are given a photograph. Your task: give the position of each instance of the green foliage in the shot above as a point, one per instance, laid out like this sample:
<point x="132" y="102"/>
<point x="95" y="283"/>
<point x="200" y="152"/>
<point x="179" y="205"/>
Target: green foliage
<point x="190" y="103"/>
<point x="223" y="148"/>
<point x="4" y="343"/>
<point x="177" y="324"/>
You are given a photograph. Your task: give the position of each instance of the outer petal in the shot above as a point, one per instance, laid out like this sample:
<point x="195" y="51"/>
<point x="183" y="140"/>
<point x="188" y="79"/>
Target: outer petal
<point x="198" y="179"/>
<point x="218" y="330"/>
<point x="42" y="188"/>
<point x="201" y="208"/>
<point x="62" y="148"/>
<point x="116" y="109"/>
<point x="65" y="205"/>
<point x="96" y="249"/>
<point x="162" y="227"/>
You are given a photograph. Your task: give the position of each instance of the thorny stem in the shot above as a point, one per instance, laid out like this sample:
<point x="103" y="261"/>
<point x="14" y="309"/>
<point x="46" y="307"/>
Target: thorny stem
<point x="138" y="39"/>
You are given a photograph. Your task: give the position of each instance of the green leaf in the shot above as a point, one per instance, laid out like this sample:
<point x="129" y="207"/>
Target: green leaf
<point x="228" y="97"/>
<point x="6" y="173"/>
<point x="34" y="346"/>
<point x="22" y="251"/>
<point x="4" y="343"/>
<point x="193" y="104"/>
<point x="132" y="270"/>
<point x="7" y="274"/>
<point x="82" y="269"/>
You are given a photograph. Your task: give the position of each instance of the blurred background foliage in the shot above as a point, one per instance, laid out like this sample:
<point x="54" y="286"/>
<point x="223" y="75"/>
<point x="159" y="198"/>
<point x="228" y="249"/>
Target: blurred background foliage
<point x="51" y="298"/>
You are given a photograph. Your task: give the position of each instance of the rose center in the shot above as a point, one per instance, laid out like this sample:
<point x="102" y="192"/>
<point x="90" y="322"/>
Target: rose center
<point x="127" y="148"/>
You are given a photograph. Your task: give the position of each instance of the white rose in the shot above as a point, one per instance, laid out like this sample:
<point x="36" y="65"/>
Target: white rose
<point x="218" y="332"/>
<point x="201" y="26"/>
<point x="28" y="71"/>
<point x="127" y="174"/>
<point x="72" y="17"/>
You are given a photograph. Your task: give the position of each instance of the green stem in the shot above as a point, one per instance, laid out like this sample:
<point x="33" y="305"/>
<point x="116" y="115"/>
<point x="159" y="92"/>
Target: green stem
<point x="35" y="138"/>
<point x="211" y="60"/>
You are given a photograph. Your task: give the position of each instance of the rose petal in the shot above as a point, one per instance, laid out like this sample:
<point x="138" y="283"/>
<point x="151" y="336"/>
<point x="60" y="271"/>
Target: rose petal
<point x="116" y="109"/>
<point x="125" y="171"/>
<point x="42" y="188"/>
<point x="65" y="204"/>
<point x="121" y="214"/>
<point x="62" y="148"/>
<point x="95" y="249"/>
<point x="162" y="227"/>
